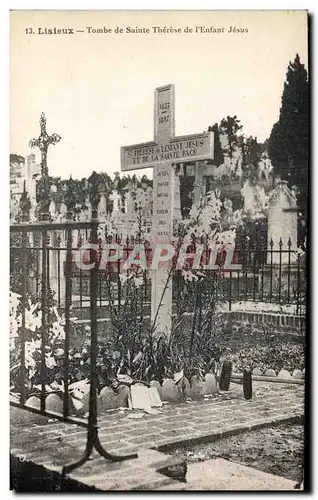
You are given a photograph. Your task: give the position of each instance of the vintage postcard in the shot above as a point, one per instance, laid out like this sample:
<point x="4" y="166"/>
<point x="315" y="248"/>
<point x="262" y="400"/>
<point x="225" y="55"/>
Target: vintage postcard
<point x="158" y="228"/>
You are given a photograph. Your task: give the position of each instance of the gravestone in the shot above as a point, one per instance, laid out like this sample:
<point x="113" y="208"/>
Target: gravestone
<point x="52" y="209"/>
<point x="199" y="184"/>
<point x="282" y="225"/>
<point x="298" y="374"/>
<point x="129" y="203"/>
<point x="281" y="271"/>
<point x="211" y="386"/>
<point x="169" y="391"/>
<point x="161" y="153"/>
<point x="102" y="206"/>
<point x="63" y="212"/>
<point x="88" y="211"/>
<point x="56" y="269"/>
<point x="116" y="199"/>
<point x="284" y="374"/>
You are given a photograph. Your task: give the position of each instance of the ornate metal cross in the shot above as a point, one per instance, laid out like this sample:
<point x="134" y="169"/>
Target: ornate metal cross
<point x="43" y="142"/>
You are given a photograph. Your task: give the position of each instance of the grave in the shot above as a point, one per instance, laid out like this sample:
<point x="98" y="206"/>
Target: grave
<point x="116" y="199"/>
<point x="282" y="225"/>
<point x="161" y="154"/>
<point x="102" y="207"/>
<point x="281" y="271"/>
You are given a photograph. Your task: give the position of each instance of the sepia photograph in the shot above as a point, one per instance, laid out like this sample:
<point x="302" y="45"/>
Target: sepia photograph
<point x="158" y="193"/>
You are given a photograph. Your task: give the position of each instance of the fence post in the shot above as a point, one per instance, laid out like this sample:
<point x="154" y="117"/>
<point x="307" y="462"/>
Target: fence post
<point x="280" y="270"/>
<point x="247" y="384"/>
<point x="289" y="244"/>
<point x="25" y="205"/>
<point x="271" y="273"/>
<point x="70" y="203"/>
<point x="44" y="314"/>
<point x="247" y="264"/>
<point x="298" y="286"/>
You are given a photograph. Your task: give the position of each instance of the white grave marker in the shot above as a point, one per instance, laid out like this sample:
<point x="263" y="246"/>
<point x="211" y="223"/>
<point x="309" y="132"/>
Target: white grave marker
<point x="161" y="153"/>
<point x="116" y="199"/>
<point x="282" y="225"/>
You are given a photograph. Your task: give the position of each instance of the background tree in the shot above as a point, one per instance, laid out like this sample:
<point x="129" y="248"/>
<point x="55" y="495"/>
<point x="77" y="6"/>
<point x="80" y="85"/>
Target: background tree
<point x="218" y="152"/>
<point x="288" y="142"/>
<point x="230" y="126"/>
<point x="14" y="158"/>
<point x="252" y="152"/>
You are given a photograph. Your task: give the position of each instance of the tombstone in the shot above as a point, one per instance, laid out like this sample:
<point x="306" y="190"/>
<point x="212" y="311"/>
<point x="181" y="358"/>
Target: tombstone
<point x="199" y="184"/>
<point x="54" y="403"/>
<point x="201" y="172"/>
<point x="282" y="225"/>
<point x="75" y="238"/>
<point x="210" y="384"/>
<point x="284" y="374"/>
<point x="197" y="388"/>
<point x="257" y="371"/>
<point x="247" y="192"/>
<point x="270" y="373"/>
<point x="108" y="399"/>
<point x="88" y="211"/>
<point x="102" y="206"/>
<point x="32" y="195"/>
<point x="115" y="197"/>
<point x="56" y="269"/>
<point x="160" y="154"/>
<point x="63" y="211"/>
<point x="280" y="275"/>
<point x="169" y="391"/>
<point x="298" y="374"/>
<point x="52" y="209"/>
<point x="82" y="216"/>
<point x="129" y="203"/>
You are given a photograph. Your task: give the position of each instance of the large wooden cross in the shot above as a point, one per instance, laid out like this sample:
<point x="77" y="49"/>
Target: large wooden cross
<point x="161" y="153"/>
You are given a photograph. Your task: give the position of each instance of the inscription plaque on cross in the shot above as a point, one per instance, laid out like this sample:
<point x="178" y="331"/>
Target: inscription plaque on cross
<point x="165" y="150"/>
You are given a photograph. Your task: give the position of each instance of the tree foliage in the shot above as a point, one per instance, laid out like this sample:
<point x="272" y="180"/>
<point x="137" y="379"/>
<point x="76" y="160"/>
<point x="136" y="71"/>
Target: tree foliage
<point x="14" y="158"/>
<point x="288" y="142"/>
<point x="218" y="152"/>
<point x="230" y="126"/>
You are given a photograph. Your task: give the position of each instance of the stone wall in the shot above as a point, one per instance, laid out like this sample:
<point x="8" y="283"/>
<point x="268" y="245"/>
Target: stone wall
<point x="272" y="323"/>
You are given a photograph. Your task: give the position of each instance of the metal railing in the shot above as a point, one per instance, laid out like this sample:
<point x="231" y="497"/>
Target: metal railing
<point x="26" y="258"/>
<point x="271" y="275"/>
<point x="42" y="262"/>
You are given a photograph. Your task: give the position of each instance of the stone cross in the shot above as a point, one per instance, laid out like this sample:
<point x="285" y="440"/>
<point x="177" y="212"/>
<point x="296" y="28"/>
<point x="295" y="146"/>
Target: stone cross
<point x="161" y="153"/>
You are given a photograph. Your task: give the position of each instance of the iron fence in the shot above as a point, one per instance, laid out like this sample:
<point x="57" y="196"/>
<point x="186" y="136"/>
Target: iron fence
<point x="26" y="258"/>
<point x="270" y="275"/>
<point x="43" y="267"/>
